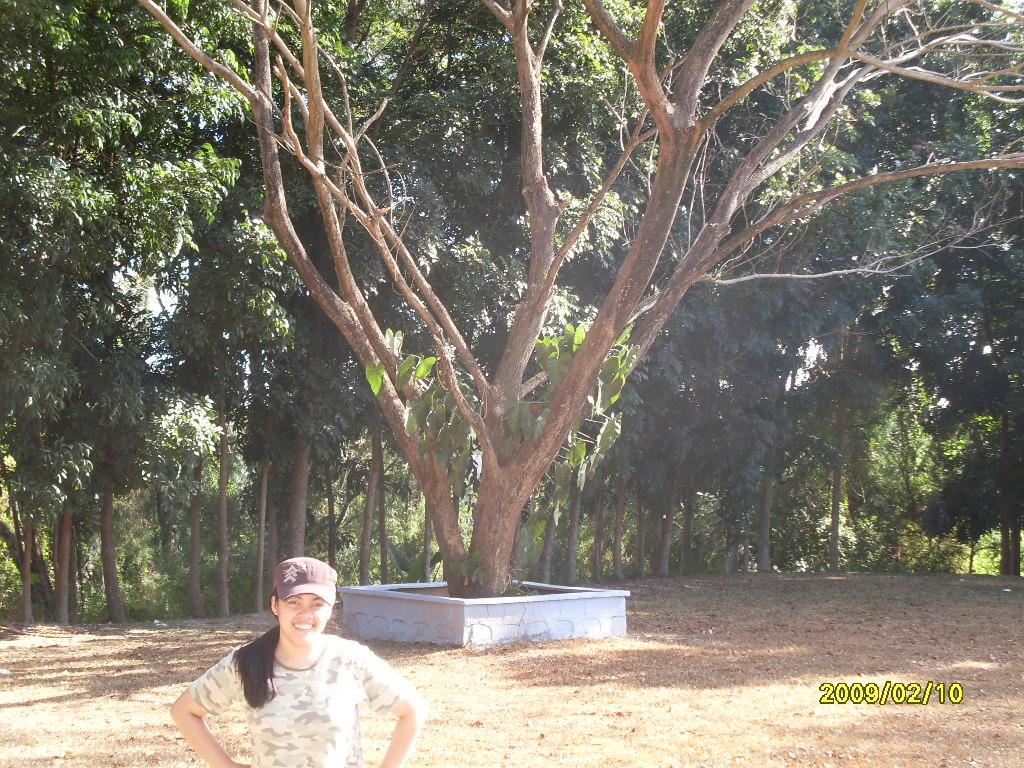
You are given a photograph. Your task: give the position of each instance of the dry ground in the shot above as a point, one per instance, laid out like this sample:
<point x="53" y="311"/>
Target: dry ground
<point x="714" y="672"/>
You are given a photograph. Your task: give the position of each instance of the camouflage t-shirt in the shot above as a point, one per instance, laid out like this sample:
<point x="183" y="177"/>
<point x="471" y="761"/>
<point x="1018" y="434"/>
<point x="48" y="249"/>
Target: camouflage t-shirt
<point x="313" y="721"/>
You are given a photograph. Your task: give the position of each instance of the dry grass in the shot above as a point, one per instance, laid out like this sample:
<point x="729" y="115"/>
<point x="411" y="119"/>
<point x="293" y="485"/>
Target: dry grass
<point x="714" y="672"/>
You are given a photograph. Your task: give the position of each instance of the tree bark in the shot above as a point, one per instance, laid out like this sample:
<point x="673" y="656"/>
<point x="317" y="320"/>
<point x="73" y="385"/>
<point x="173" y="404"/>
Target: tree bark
<point x="164" y="523"/>
<point x="641" y="538"/>
<point x="428" y="543"/>
<point x="764" y="550"/>
<point x="837" y="493"/>
<point x="74" y="572"/>
<point x="108" y="550"/>
<point x="372" y="483"/>
<point x="731" y="555"/>
<point x="223" y="605"/>
<point x="667" y="528"/>
<point x="27" y="546"/>
<point x="195" y="546"/>
<point x="573" y="535"/>
<point x="1004" y="501"/>
<point x="62" y="567"/>
<point x="620" y="512"/>
<point x="686" y="564"/>
<point x="332" y="519"/>
<point x="382" y="523"/>
<point x="273" y="527"/>
<point x="261" y="535"/>
<point x="547" y="550"/>
<point x="299" y="496"/>
<point x="597" y="553"/>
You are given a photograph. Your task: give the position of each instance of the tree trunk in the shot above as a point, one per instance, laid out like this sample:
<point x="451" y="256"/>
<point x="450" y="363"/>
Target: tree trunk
<point x="43" y="585"/>
<point x="164" y="523"/>
<point x="261" y="534"/>
<point x="382" y="523"/>
<point x="372" y="483"/>
<point x="620" y="511"/>
<point x="273" y="527"/>
<point x="1004" y="501"/>
<point x="970" y="557"/>
<point x="223" y="606"/>
<point x="299" y="497"/>
<point x="27" y="547"/>
<point x="572" y="539"/>
<point x="837" y="493"/>
<point x="641" y="538"/>
<point x="74" y="572"/>
<point x="547" y="550"/>
<point x="108" y="550"/>
<point x="764" y="551"/>
<point x="597" y="553"/>
<point x="195" y="545"/>
<point x="62" y="567"/>
<point x="731" y="555"/>
<point x="686" y="564"/>
<point x="667" y="528"/>
<point x="332" y="519"/>
<point x="428" y="544"/>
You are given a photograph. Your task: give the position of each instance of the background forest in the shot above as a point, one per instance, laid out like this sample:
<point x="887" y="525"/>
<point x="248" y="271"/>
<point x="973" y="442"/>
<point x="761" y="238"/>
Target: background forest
<point x="177" y="414"/>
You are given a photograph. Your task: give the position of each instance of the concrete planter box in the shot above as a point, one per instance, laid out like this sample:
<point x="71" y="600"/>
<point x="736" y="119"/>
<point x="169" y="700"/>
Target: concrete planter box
<point x="423" y="613"/>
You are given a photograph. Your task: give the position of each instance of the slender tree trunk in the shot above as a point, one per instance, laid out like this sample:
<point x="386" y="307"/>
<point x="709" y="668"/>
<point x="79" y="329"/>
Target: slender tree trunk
<point x="970" y="557"/>
<point x="261" y="534"/>
<point x="620" y="512"/>
<point x="428" y="543"/>
<point x="382" y="524"/>
<point x="764" y="550"/>
<point x="686" y="545"/>
<point x="163" y="519"/>
<point x="837" y="493"/>
<point x="223" y="606"/>
<point x="332" y="519"/>
<point x="597" y="553"/>
<point x="547" y="550"/>
<point x="108" y="550"/>
<point x="62" y="567"/>
<point x="667" y="528"/>
<point x="1004" y="500"/>
<point x="195" y="546"/>
<point x="299" y="496"/>
<point x="641" y="538"/>
<point x="274" y="523"/>
<point x="74" y="571"/>
<point x="731" y="554"/>
<point x="372" y="483"/>
<point x="573" y="535"/>
<point x="28" y="529"/>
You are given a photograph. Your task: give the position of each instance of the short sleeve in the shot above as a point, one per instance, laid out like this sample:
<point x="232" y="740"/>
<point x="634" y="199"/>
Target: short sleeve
<point x="218" y="687"/>
<point x="384" y="687"/>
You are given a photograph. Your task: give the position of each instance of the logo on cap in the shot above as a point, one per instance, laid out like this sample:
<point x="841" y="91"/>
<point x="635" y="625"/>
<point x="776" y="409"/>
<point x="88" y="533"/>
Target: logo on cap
<point x="292" y="572"/>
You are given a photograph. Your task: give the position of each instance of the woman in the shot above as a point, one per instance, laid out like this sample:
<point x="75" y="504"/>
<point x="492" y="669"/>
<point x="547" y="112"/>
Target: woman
<point x="300" y="687"/>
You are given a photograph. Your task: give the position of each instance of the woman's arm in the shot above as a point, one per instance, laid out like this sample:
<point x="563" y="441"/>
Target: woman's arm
<point x="411" y="713"/>
<point x="190" y="718"/>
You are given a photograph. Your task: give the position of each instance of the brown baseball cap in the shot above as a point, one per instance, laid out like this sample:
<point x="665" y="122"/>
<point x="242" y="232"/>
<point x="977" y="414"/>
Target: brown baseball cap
<point x="300" y="575"/>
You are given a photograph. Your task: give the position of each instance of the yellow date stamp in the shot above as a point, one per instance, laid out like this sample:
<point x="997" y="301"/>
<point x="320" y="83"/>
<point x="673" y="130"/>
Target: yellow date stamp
<point x="891" y="692"/>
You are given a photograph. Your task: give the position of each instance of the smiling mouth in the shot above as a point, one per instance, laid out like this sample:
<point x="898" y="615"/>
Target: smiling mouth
<point x="303" y="626"/>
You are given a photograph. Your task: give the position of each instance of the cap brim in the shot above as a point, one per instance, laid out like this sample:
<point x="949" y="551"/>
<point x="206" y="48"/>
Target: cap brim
<point x="329" y="594"/>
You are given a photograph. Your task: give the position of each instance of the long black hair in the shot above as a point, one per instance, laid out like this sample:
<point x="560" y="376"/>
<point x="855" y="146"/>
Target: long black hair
<point x="255" y="663"/>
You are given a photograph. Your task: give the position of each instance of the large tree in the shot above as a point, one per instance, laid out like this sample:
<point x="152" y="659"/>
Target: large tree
<point x="690" y="70"/>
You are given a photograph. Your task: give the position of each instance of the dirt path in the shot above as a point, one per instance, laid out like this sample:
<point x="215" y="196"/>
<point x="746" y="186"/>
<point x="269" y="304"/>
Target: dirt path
<point x="714" y="672"/>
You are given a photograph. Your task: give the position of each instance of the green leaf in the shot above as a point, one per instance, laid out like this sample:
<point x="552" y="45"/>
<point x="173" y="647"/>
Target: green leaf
<point x="578" y="337"/>
<point x="405" y="371"/>
<point x="375" y="376"/>
<point x="424" y="368"/>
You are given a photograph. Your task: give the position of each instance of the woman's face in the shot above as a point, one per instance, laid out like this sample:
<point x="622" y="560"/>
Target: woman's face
<point x="302" y="618"/>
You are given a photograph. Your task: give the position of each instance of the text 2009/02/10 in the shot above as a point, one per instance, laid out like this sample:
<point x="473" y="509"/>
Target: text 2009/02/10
<point x="891" y="692"/>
